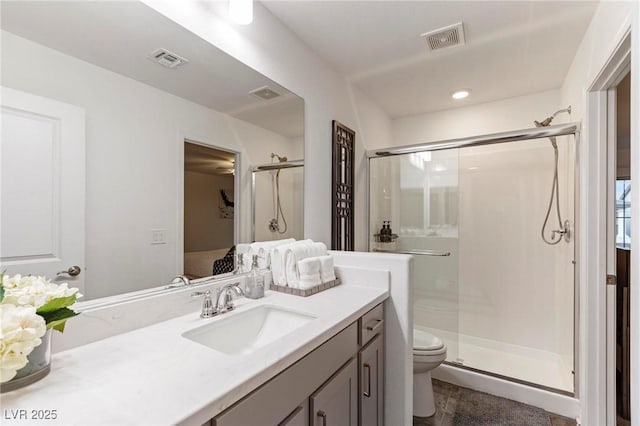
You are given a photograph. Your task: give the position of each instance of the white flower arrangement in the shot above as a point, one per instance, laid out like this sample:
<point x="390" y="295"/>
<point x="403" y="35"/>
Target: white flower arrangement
<point x="20" y="331"/>
<point x="29" y="306"/>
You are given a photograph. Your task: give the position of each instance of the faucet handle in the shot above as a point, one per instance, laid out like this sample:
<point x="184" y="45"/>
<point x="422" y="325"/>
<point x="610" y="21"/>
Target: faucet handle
<point x="208" y="310"/>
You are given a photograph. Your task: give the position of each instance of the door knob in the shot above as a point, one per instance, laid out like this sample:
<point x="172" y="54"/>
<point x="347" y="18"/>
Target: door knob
<point x="72" y="271"/>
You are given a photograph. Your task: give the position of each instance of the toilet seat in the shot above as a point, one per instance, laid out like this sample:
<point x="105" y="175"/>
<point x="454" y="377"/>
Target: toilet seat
<point x="425" y="343"/>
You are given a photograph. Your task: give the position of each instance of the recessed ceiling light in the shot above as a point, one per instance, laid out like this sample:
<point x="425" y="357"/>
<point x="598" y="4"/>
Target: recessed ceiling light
<point x="460" y="94"/>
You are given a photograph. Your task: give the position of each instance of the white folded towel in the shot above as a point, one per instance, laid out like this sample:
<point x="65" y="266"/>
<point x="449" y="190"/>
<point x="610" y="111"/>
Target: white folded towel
<point x="309" y="273"/>
<point x="278" y="259"/>
<point x="327" y="273"/>
<point x="296" y="253"/>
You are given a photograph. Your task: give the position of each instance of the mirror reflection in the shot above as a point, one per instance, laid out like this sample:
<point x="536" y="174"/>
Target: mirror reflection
<point x="134" y="141"/>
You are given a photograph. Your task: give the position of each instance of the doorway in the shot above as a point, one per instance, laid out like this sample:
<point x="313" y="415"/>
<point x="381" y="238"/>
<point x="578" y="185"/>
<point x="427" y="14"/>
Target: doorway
<point x="622" y="236"/>
<point x="209" y="210"/>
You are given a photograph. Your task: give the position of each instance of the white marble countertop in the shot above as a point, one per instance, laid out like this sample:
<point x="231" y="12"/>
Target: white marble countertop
<point x="154" y="376"/>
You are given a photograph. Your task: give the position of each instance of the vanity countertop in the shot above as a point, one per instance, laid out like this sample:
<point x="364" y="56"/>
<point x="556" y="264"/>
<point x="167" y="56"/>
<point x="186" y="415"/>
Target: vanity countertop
<point x="153" y="375"/>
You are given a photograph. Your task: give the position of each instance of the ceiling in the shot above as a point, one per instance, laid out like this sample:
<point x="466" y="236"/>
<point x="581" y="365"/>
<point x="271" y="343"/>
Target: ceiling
<point x="120" y="35"/>
<point x="512" y="48"/>
<point x="202" y="159"/>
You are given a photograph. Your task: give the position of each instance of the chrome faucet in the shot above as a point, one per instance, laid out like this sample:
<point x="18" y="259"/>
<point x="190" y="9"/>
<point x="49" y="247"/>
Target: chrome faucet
<point x="224" y="298"/>
<point x="179" y="279"/>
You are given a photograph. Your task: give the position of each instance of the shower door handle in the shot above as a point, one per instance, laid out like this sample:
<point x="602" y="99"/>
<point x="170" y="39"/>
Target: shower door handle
<point x="416" y="252"/>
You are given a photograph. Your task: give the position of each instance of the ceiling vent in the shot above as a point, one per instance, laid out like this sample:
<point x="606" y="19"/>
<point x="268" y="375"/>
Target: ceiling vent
<point x="167" y="59"/>
<point x="450" y="36"/>
<point x="265" y="93"/>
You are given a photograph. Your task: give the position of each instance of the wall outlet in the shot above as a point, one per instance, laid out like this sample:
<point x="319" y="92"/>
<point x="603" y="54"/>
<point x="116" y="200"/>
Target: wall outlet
<point x="158" y="236"/>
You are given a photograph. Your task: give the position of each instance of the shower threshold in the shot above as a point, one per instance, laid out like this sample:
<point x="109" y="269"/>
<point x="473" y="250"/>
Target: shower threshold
<point x="519" y="364"/>
<point x="457" y="364"/>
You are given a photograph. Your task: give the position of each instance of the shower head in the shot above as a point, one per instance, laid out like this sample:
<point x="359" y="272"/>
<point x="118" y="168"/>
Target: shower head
<point x="280" y="159"/>
<point x="547" y="121"/>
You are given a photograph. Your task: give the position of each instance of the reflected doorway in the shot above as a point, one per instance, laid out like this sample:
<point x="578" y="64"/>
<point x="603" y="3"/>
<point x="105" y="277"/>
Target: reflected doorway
<point x="209" y="210"/>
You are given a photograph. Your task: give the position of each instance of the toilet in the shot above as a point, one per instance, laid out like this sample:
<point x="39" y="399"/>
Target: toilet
<point x="428" y="353"/>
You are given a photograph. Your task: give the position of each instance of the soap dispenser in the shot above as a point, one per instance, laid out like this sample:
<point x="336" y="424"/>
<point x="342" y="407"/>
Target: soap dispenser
<point x="255" y="281"/>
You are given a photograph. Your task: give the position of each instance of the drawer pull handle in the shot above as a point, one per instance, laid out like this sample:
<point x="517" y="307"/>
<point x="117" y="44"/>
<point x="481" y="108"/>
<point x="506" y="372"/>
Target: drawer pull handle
<point x="367" y="393"/>
<point x="323" y="415"/>
<point x="374" y="325"/>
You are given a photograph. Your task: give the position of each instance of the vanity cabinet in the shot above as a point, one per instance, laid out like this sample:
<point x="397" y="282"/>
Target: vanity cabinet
<point x="325" y="388"/>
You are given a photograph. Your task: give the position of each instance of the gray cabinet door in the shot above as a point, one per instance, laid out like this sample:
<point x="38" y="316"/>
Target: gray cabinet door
<point x="371" y="383"/>
<point x="299" y="416"/>
<point x="336" y="403"/>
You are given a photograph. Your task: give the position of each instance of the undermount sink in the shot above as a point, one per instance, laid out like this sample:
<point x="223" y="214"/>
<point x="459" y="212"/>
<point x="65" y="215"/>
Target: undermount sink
<point x="244" y="332"/>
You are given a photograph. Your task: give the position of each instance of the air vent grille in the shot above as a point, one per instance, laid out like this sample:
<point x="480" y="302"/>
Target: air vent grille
<point x="265" y="93"/>
<point x="166" y="58"/>
<point x="441" y="38"/>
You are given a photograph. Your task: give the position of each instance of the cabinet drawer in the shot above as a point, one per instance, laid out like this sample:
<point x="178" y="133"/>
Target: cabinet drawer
<point x="371" y="324"/>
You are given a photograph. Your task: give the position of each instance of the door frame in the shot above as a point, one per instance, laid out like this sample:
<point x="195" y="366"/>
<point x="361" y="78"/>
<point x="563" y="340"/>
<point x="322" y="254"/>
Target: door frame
<point x="597" y="384"/>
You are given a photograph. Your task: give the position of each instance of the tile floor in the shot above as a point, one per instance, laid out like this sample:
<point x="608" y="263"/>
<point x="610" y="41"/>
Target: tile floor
<point x="464" y="407"/>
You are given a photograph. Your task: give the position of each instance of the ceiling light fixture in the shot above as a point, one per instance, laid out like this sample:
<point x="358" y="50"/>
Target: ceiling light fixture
<point x="241" y="11"/>
<point x="460" y="94"/>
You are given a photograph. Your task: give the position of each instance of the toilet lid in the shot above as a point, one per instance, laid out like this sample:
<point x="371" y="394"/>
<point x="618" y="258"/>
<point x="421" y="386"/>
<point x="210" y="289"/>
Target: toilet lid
<point x="424" y="341"/>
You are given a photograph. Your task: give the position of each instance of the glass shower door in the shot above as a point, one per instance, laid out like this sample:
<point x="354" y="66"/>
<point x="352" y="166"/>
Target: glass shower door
<point x="418" y="194"/>
<point x="486" y="283"/>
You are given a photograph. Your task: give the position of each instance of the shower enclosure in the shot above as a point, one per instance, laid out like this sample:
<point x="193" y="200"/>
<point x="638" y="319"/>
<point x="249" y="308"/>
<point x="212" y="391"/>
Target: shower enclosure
<point x="486" y="283"/>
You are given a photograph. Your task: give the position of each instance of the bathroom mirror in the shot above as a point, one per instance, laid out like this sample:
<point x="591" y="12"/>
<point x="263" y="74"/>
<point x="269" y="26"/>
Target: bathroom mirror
<point x="144" y="87"/>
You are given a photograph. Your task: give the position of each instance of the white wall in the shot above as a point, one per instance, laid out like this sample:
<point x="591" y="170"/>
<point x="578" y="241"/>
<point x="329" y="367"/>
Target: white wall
<point x="273" y="50"/>
<point x="204" y="229"/>
<point x="134" y="161"/>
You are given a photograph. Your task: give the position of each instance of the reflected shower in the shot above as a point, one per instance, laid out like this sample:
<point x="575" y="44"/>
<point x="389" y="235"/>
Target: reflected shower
<point x="274" y="224"/>
<point x="563" y="232"/>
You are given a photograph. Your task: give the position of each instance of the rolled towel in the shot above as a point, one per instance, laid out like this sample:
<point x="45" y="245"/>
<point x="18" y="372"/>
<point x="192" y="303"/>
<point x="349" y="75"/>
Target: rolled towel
<point x="292" y="256"/>
<point x="278" y="259"/>
<point x="317" y="249"/>
<point x="309" y="273"/>
<point x="327" y="273"/>
<point x="296" y="253"/>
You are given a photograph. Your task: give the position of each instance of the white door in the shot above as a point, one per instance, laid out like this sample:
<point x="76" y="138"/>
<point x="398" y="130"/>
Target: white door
<point x="42" y="186"/>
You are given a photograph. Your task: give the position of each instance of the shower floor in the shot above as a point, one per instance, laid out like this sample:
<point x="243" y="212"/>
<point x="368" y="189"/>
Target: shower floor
<point x="518" y="362"/>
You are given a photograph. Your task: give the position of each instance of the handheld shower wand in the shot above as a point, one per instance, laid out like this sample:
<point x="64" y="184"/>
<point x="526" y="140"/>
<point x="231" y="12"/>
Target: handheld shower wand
<point x="564" y="230"/>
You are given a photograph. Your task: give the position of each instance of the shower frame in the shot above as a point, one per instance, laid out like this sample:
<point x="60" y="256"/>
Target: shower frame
<point x="490" y="139"/>
<point x="265" y="168"/>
